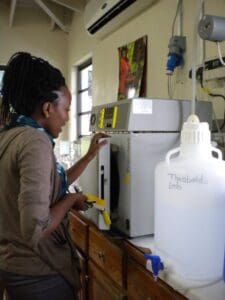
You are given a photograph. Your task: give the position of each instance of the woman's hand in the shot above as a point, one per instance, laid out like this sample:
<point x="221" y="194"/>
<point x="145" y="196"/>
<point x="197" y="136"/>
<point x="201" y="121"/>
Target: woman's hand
<point x="80" y="202"/>
<point x="77" y="201"/>
<point x="96" y="145"/>
<point x="76" y="170"/>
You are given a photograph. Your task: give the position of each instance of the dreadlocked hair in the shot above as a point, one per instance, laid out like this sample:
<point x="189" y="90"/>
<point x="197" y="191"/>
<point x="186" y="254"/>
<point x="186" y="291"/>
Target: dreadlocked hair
<point x="27" y="83"/>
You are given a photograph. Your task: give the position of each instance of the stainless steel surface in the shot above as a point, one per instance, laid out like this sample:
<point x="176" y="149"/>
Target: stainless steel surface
<point x="143" y="130"/>
<point x="145" y="114"/>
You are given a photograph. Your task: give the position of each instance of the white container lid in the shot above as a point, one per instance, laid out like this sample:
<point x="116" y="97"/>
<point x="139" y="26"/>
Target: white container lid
<point x="195" y="132"/>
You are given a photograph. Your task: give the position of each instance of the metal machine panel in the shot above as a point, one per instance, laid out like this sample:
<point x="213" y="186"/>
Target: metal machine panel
<point x="137" y="157"/>
<point x="142" y="131"/>
<point x="142" y="114"/>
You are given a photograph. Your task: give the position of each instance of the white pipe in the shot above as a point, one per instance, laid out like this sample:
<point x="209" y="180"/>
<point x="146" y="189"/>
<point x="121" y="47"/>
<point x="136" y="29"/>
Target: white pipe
<point x="195" y="53"/>
<point x="220" y="54"/>
<point x="180" y="19"/>
<point x="202" y="42"/>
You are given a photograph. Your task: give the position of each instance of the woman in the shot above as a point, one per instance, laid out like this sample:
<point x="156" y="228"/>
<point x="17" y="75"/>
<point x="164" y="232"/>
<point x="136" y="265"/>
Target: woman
<point x="37" y="258"/>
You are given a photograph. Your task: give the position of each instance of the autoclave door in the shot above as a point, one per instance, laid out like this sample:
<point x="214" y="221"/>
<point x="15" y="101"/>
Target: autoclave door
<point x="137" y="157"/>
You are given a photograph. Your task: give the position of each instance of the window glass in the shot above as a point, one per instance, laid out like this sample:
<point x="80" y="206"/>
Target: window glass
<point x="84" y="98"/>
<point x="86" y="78"/>
<point x="1" y="76"/>
<point x="84" y="124"/>
<point x="85" y="102"/>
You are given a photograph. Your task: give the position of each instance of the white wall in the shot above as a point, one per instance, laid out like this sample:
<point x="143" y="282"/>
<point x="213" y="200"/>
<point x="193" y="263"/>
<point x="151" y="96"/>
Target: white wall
<point x="31" y="32"/>
<point x="156" y="23"/>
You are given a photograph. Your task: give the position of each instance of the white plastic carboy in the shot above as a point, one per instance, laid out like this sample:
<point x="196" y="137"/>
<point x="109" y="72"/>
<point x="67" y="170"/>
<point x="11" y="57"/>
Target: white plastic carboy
<point x="190" y="205"/>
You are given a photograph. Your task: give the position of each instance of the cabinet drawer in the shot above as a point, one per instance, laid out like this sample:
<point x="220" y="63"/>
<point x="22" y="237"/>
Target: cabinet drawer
<point x="141" y="285"/>
<point x="79" y="232"/>
<point x="106" y="255"/>
<point x="101" y="287"/>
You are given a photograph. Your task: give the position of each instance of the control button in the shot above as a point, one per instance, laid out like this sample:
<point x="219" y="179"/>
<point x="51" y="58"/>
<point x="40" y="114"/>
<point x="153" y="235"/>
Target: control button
<point x="93" y="119"/>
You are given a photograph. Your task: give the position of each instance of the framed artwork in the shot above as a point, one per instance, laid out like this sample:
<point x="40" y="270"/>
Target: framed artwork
<point x="132" y="69"/>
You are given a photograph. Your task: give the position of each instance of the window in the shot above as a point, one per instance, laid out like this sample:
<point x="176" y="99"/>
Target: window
<point x="2" y="69"/>
<point x="84" y="98"/>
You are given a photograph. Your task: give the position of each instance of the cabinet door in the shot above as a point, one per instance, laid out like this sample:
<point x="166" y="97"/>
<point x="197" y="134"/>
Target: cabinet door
<point x="141" y="285"/>
<point x="83" y="277"/>
<point x="106" y="255"/>
<point x="100" y="287"/>
<point x="79" y="232"/>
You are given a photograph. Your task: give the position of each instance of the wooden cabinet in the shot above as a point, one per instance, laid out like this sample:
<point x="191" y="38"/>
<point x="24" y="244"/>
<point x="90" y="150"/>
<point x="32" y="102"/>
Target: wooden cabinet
<point x="115" y="268"/>
<point x="83" y="276"/>
<point x="141" y="285"/>
<point x="79" y="232"/>
<point x="102" y="261"/>
<point x="101" y="287"/>
<point x="140" y="282"/>
<point x="106" y="255"/>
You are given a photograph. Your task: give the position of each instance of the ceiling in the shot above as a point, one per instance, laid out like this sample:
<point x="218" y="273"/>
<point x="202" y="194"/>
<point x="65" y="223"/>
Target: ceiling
<point x="52" y="8"/>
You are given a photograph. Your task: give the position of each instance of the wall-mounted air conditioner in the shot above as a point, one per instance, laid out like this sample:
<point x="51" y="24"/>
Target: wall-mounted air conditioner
<point x="102" y="17"/>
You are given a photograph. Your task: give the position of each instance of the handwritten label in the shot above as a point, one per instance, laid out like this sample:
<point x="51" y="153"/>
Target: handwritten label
<point x="177" y="181"/>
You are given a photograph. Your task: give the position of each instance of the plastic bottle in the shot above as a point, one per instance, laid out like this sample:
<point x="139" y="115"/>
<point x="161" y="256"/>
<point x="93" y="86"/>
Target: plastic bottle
<point x="190" y="205"/>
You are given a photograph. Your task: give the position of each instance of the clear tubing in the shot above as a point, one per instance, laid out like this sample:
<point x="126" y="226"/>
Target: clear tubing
<point x="195" y="54"/>
<point x="220" y="54"/>
<point x="202" y="42"/>
<point x="180" y="19"/>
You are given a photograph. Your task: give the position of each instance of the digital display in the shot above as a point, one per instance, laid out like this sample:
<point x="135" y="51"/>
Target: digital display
<point x="109" y="112"/>
<point x="108" y="117"/>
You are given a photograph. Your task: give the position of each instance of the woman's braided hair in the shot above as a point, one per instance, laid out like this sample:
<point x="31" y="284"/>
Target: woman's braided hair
<point x="27" y="83"/>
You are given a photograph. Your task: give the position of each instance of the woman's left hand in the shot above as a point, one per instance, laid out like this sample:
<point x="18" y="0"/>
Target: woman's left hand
<point x="96" y="144"/>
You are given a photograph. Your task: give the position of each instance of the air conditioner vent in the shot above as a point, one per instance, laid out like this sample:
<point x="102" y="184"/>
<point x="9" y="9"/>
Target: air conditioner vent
<point x="112" y="13"/>
<point x="102" y="17"/>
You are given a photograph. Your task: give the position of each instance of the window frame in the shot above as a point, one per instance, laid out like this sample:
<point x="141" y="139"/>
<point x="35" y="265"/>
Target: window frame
<point x="2" y="68"/>
<point x="80" y="91"/>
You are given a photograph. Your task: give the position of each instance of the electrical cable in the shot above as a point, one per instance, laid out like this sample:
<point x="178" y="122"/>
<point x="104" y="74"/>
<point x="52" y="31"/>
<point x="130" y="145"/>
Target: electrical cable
<point x="195" y="51"/>
<point x="216" y="121"/>
<point x="214" y="95"/>
<point x="169" y="88"/>
<point x="220" y="54"/>
<point x="219" y="128"/>
<point x="175" y="17"/>
<point x="223" y="124"/>
<point x="177" y="44"/>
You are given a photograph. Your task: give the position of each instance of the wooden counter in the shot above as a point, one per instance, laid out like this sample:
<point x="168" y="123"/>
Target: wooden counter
<point x="114" y="269"/>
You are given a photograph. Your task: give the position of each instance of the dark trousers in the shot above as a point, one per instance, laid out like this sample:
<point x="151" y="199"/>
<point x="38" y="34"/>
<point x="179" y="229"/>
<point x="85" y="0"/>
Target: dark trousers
<point x="20" y="287"/>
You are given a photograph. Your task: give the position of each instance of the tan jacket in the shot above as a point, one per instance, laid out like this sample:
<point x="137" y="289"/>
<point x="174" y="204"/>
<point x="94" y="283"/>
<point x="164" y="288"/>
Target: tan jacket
<point x="29" y="185"/>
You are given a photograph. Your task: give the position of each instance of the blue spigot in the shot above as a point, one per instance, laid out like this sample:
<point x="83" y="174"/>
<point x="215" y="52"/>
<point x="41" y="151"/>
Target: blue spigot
<point x="157" y="264"/>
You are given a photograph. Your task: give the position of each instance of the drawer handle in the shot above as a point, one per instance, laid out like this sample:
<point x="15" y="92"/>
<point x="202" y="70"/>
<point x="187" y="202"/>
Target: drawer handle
<point x="101" y="255"/>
